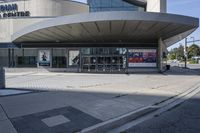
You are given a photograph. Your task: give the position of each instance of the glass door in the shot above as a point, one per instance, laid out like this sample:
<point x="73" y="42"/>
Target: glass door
<point x="88" y="64"/>
<point x="100" y="64"/>
<point x="108" y="63"/>
<point x="118" y="63"/>
<point x="103" y="60"/>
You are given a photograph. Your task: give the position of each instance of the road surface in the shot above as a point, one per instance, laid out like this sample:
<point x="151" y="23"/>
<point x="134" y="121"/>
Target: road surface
<point x="184" y="118"/>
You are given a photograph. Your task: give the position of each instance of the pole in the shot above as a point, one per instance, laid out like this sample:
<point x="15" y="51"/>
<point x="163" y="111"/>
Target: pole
<point x="2" y="78"/>
<point x="186" y="52"/>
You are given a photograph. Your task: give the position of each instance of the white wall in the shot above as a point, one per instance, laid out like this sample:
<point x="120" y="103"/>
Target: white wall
<point x="157" y="6"/>
<point x="9" y="26"/>
<point x="39" y="9"/>
<point x="50" y="7"/>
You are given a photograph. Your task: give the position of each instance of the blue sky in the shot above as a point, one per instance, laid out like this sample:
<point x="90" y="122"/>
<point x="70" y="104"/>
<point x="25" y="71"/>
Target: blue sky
<point x="183" y="7"/>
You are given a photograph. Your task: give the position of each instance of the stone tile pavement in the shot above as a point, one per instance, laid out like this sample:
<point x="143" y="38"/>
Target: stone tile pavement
<point x="34" y="123"/>
<point x="97" y="96"/>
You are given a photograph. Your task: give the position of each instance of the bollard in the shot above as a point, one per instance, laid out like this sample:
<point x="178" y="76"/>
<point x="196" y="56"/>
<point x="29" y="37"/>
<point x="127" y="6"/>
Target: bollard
<point x="2" y="78"/>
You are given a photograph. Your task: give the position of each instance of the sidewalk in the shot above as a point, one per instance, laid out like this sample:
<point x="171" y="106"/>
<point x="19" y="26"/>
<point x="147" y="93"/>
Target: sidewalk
<point x="72" y="102"/>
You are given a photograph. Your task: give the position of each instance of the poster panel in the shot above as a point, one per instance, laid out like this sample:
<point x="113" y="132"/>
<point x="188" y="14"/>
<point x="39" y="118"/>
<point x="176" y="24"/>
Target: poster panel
<point x="74" y="56"/>
<point x="142" y="58"/>
<point x="44" y="58"/>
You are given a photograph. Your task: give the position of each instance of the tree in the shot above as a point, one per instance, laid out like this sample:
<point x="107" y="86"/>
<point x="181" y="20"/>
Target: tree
<point x="180" y="53"/>
<point x="177" y="53"/>
<point x="193" y="50"/>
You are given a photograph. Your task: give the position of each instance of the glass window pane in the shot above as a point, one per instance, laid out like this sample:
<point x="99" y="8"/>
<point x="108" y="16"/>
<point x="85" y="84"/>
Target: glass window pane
<point x="111" y="5"/>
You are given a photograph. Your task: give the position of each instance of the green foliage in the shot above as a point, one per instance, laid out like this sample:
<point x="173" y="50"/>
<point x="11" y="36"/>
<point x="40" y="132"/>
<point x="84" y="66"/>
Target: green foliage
<point x="178" y="53"/>
<point x="193" y="50"/>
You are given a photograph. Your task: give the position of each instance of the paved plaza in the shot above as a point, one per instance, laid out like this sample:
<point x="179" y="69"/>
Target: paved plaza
<point x="70" y="102"/>
<point x="181" y="119"/>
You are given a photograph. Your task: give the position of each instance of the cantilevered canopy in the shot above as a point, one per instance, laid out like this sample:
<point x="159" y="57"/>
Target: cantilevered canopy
<point x="112" y="27"/>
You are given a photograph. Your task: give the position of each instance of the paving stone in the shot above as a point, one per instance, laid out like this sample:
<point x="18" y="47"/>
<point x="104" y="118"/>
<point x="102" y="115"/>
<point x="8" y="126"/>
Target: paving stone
<point x="62" y="120"/>
<point x="55" y="120"/>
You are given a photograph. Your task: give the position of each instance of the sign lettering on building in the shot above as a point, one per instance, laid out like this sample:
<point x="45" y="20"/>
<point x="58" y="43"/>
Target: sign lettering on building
<point x="11" y="10"/>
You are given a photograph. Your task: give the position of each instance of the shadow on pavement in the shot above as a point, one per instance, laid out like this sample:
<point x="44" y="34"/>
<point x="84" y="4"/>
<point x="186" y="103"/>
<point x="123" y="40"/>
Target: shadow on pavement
<point x="82" y="109"/>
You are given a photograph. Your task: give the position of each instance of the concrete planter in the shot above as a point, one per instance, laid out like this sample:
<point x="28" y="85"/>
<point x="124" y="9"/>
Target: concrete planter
<point x="2" y="78"/>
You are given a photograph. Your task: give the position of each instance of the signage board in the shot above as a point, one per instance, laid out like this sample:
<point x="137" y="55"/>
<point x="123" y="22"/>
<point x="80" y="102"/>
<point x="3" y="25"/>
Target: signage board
<point x="142" y="58"/>
<point x="44" y="58"/>
<point x="74" y="56"/>
<point x="11" y="10"/>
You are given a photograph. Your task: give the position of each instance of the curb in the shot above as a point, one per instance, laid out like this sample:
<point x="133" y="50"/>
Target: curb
<point x="134" y="115"/>
<point x="116" y="122"/>
<point x="163" y="107"/>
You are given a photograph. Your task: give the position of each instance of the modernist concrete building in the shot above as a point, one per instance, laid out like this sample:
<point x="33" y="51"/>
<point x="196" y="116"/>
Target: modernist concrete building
<point x="97" y="36"/>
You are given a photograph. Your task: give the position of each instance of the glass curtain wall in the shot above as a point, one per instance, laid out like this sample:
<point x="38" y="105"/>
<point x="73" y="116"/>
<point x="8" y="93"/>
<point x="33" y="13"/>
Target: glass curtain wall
<point x="4" y="57"/>
<point x="59" y="57"/>
<point x="112" y="5"/>
<point x="25" y="57"/>
<point x="104" y="59"/>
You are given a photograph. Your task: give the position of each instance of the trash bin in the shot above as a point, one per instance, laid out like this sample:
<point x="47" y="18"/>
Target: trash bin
<point x="168" y="67"/>
<point x="2" y="78"/>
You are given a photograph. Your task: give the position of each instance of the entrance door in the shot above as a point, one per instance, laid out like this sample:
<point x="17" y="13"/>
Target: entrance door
<point x="89" y="64"/>
<point x="108" y="63"/>
<point x="100" y="64"/>
<point x="118" y="63"/>
<point x="111" y="63"/>
<point x="103" y="60"/>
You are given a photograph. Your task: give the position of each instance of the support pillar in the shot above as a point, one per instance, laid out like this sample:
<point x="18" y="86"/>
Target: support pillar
<point x="160" y="55"/>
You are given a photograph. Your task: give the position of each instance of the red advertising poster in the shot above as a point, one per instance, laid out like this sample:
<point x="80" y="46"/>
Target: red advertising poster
<point x="142" y="58"/>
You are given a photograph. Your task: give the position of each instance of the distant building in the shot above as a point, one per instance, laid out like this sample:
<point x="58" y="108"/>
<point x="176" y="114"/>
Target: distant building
<point x="197" y="59"/>
<point x="100" y="36"/>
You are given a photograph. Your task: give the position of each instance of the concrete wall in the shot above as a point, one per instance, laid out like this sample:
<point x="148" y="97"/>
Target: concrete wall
<point x="9" y="26"/>
<point x="50" y="7"/>
<point x="157" y="6"/>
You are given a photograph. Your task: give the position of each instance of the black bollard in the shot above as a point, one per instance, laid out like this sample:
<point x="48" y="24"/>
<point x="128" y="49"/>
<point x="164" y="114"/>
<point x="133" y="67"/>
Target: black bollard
<point x="2" y="78"/>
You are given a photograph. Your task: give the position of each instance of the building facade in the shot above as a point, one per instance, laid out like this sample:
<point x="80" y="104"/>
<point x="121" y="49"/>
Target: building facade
<point x="97" y="36"/>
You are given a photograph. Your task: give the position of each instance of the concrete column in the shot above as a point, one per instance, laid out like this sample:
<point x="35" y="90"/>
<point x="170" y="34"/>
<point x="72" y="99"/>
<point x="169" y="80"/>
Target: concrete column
<point x="157" y="6"/>
<point x="2" y="78"/>
<point x="160" y="54"/>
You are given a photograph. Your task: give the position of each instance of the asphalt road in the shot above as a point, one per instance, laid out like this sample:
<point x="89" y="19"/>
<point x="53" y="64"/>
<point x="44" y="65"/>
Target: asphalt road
<point x="184" y="118"/>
